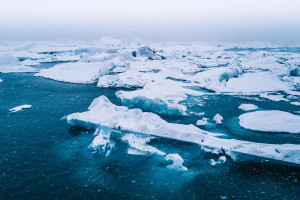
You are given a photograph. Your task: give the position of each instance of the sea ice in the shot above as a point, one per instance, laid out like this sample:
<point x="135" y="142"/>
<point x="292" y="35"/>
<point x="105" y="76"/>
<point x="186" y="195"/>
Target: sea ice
<point x="82" y="72"/>
<point x="106" y="116"/>
<point x="221" y="160"/>
<point x="247" y="107"/>
<point x="9" y="63"/>
<point x="19" y="108"/>
<point x="73" y="72"/>
<point x="202" y="122"/>
<point x="218" y="119"/>
<point x="256" y="83"/>
<point x="138" y="144"/>
<point x="29" y="62"/>
<point x="273" y="97"/>
<point x="271" y="121"/>
<point x="177" y="162"/>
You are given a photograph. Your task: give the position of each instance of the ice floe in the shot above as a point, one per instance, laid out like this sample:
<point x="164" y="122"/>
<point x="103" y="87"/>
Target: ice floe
<point x="218" y="119"/>
<point x="19" y="108"/>
<point x="106" y="116"/>
<point x="177" y="162"/>
<point x="220" y="160"/>
<point x="9" y="63"/>
<point x="271" y="121"/>
<point x="247" y="107"/>
<point x="202" y="122"/>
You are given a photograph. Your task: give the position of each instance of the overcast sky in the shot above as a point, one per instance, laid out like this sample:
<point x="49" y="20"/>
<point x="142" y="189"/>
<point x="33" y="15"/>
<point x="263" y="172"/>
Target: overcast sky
<point x="181" y="20"/>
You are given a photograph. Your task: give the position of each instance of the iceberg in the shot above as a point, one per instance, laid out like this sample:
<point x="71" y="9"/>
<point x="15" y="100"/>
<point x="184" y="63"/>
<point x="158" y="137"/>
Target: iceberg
<point x="9" y="64"/>
<point x="104" y="115"/>
<point x="271" y="121"/>
<point x="160" y="96"/>
<point x="19" y="108"/>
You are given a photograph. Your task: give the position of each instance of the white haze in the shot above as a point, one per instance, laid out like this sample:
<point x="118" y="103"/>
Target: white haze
<point x="186" y="20"/>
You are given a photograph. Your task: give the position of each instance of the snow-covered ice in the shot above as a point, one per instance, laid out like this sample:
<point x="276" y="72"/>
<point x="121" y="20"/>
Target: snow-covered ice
<point x="19" y="108"/>
<point x="202" y="122"/>
<point x="138" y="145"/>
<point x="106" y="116"/>
<point x="271" y="121"/>
<point x="177" y="162"/>
<point x="218" y="119"/>
<point x="247" y="107"/>
<point x="9" y="63"/>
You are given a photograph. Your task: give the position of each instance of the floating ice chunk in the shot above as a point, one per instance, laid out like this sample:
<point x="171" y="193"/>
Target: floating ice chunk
<point x="82" y="72"/>
<point x="102" y="141"/>
<point x="139" y="145"/>
<point x="19" y="108"/>
<point x="9" y="63"/>
<point x="29" y="62"/>
<point x="293" y="103"/>
<point x="218" y="119"/>
<point x="273" y="97"/>
<point x="221" y="160"/>
<point x="129" y="79"/>
<point x="177" y="162"/>
<point x="1" y="80"/>
<point x="202" y="122"/>
<point x="247" y="107"/>
<point x="255" y="83"/>
<point x="198" y="114"/>
<point x="143" y="52"/>
<point x="102" y="113"/>
<point x="73" y="72"/>
<point x="66" y="57"/>
<point x="161" y="96"/>
<point x="271" y="121"/>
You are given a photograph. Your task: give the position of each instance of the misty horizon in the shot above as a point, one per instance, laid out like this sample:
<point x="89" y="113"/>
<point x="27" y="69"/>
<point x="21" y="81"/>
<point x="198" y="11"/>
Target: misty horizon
<point x="205" y="21"/>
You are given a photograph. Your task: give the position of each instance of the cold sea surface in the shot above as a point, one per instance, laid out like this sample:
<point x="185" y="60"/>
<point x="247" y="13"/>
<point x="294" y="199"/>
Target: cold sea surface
<point x="42" y="157"/>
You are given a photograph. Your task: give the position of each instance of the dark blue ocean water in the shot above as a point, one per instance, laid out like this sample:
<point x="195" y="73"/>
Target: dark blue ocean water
<point x="43" y="158"/>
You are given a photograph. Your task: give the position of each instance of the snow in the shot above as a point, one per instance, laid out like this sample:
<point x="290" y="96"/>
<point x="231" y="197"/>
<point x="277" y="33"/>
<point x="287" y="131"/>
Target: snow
<point x="9" y="63"/>
<point x="248" y="107"/>
<point x="218" y="119"/>
<point x="107" y="116"/>
<point x="177" y="162"/>
<point x="19" y="108"/>
<point x="271" y="121"/>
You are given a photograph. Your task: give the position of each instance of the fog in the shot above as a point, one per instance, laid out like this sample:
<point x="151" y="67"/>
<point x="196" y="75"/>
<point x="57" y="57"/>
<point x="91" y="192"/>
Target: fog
<point x="157" y="20"/>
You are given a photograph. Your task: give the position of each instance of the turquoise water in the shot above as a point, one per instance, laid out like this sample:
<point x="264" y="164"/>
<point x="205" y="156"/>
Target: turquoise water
<point x="43" y="158"/>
